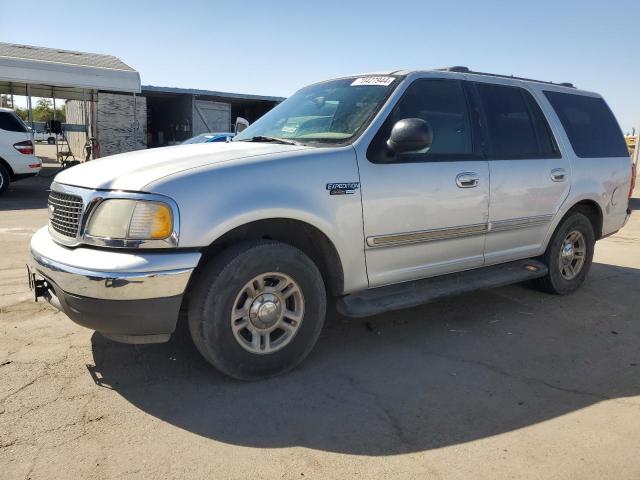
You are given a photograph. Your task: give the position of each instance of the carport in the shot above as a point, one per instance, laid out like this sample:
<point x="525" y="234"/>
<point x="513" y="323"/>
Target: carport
<point x="63" y="74"/>
<point x="176" y="114"/>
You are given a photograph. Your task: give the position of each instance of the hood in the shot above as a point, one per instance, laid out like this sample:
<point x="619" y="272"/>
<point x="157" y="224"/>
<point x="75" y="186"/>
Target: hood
<point x="133" y="170"/>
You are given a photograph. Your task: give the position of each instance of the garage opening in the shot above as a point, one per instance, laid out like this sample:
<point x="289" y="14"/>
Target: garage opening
<point x="177" y="114"/>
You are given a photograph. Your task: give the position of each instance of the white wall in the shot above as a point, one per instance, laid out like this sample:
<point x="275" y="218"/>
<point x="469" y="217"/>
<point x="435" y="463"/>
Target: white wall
<point x="118" y="129"/>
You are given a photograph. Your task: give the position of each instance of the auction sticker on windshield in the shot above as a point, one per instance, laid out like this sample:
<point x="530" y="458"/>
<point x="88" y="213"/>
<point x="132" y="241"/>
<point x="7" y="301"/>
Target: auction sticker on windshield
<point x="381" y="81"/>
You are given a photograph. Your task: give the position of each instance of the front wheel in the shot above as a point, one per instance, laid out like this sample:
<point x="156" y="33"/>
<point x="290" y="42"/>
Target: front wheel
<point x="568" y="255"/>
<point x="257" y="309"/>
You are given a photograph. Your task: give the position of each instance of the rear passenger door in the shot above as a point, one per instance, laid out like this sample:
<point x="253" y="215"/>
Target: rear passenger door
<point x="529" y="177"/>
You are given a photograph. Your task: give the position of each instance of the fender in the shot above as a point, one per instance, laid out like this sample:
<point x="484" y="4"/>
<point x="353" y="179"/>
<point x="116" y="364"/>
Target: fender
<point x="215" y="200"/>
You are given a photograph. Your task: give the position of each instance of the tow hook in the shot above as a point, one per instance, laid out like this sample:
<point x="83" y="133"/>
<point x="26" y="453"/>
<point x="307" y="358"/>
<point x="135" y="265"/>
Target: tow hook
<point x="40" y="287"/>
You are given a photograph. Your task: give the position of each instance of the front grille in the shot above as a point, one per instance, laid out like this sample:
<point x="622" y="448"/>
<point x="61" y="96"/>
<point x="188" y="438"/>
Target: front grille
<point x="65" y="212"/>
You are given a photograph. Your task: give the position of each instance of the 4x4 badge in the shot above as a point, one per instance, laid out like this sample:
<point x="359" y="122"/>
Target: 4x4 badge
<point x="342" y="188"/>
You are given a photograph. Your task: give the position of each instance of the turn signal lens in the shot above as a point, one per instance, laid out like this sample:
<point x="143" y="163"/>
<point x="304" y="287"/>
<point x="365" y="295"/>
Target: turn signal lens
<point x="151" y="220"/>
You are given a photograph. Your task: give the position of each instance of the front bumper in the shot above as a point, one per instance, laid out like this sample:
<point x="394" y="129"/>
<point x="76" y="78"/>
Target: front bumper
<point x="131" y="297"/>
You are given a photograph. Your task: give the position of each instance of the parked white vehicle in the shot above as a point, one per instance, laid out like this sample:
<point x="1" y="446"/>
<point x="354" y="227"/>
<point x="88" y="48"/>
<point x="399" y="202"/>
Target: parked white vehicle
<point x="382" y="191"/>
<point x="44" y="137"/>
<point x="17" y="159"/>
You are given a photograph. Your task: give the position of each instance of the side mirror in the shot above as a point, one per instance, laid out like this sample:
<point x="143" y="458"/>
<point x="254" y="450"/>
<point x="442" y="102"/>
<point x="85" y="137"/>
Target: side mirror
<point x="410" y="135"/>
<point x="241" y="124"/>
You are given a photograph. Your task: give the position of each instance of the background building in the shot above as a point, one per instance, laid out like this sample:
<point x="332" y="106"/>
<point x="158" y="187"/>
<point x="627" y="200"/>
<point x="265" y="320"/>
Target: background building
<point x="105" y="100"/>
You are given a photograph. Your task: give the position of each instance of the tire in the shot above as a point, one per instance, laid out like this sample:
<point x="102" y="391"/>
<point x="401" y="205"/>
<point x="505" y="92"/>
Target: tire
<point x="5" y="179"/>
<point x="227" y="286"/>
<point x="51" y="140"/>
<point x="558" y="281"/>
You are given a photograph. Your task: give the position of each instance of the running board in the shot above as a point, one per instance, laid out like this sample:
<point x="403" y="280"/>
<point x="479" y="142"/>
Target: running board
<point x="411" y="294"/>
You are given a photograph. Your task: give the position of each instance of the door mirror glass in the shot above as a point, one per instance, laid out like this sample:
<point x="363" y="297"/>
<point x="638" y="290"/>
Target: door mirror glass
<point x="410" y="135"/>
<point x="241" y="124"/>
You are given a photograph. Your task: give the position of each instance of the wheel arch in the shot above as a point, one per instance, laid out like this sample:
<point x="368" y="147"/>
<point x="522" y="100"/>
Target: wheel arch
<point x="6" y="165"/>
<point x="302" y="235"/>
<point x="588" y="207"/>
<point x="591" y="210"/>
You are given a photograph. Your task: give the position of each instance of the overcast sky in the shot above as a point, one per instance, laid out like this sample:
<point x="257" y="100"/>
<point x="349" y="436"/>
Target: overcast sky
<point x="275" y="47"/>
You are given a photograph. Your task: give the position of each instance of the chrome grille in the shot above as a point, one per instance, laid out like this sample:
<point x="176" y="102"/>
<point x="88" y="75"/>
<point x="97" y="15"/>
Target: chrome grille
<point x="65" y="212"/>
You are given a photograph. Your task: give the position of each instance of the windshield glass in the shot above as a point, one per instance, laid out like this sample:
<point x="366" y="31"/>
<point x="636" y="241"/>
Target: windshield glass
<point x="333" y="112"/>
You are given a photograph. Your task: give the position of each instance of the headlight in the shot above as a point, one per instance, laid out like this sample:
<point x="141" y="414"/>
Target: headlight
<point x="131" y="220"/>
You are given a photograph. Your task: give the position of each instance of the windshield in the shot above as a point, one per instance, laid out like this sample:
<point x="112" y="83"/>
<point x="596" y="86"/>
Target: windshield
<point x="332" y="112"/>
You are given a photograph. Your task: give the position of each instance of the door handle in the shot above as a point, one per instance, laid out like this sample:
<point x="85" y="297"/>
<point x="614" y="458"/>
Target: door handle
<point x="467" y="180"/>
<point x="558" y="175"/>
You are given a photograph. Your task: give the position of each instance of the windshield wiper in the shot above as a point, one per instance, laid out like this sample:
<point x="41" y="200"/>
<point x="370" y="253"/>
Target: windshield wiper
<point x="261" y="138"/>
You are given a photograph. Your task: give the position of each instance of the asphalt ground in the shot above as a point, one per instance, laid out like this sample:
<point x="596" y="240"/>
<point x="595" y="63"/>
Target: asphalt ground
<point x="506" y="383"/>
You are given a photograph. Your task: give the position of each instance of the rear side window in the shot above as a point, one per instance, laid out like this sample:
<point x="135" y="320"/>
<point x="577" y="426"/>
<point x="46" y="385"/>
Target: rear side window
<point x="590" y="125"/>
<point x="9" y="122"/>
<point x="516" y="126"/>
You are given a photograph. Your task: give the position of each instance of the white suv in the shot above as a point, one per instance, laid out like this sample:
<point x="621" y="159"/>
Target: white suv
<point x="17" y="159"/>
<point x="382" y="191"/>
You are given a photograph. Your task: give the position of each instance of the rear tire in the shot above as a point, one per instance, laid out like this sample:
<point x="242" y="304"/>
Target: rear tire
<point x="5" y="179"/>
<point x="257" y="309"/>
<point x="568" y="255"/>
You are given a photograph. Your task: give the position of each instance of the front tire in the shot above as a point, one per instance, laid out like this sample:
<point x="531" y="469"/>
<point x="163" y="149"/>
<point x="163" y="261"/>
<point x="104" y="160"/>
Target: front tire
<point x="568" y="255"/>
<point x="5" y="179"/>
<point x="257" y="309"/>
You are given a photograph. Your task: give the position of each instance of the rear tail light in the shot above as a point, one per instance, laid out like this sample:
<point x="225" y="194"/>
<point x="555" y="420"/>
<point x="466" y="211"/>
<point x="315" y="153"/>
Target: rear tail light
<point x="633" y="178"/>
<point x="25" y="147"/>
<point x="35" y="165"/>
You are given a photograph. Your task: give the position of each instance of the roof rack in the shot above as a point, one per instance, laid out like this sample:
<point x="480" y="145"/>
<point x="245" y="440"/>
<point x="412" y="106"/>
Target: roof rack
<point x="461" y="69"/>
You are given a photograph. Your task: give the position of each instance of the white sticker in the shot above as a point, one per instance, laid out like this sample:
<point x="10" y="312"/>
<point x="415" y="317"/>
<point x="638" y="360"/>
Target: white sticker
<point x="379" y="81"/>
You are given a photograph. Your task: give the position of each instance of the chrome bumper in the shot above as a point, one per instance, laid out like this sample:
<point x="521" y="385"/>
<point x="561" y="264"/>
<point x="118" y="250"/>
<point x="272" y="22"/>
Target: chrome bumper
<point x="109" y="275"/>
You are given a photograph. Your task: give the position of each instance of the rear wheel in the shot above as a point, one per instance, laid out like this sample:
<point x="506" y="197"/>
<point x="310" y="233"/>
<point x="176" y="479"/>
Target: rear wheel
<point x="257" y="310"/>
<point x="5" y="179"/>
<point x="568" y="255"/>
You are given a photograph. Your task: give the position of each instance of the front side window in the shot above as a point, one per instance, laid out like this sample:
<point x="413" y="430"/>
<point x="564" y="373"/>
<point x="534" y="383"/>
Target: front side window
<point x="515" y="125"/>
<point x="333" y="112"/>
<point x="442" y="104"/>
<point x="590" y="125"/>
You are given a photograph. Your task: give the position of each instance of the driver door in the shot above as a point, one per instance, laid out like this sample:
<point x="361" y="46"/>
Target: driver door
<point x="425" y="214"/>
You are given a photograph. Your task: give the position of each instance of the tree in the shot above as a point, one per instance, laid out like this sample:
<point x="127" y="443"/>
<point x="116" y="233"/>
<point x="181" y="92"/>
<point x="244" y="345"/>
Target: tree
<point x="5" y="101"/>
<point x="42" y="112"/>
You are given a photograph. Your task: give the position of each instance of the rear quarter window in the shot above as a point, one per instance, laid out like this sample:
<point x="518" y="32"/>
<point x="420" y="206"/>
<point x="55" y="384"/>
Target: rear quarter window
<point x="590" y="125"/>
<point x="10" y="123"/>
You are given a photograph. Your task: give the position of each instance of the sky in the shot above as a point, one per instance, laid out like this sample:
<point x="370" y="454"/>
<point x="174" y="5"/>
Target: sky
<point x="276" y="47"/>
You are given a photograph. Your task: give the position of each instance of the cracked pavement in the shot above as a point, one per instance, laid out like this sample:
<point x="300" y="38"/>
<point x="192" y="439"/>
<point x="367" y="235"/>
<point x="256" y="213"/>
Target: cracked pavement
<point x="507" y="383"/>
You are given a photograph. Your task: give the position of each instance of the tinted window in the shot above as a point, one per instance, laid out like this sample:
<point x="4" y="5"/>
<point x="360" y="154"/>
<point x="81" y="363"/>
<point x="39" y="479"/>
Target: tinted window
<point x="9" y="122"/>
<point x="590" y="125"/>
<point x="442" y="103"/>
<point x="547" y="145"/>
<point x="516" y="126"/>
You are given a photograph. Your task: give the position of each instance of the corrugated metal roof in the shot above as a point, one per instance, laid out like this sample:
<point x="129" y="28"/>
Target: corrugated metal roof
<point x="68" y="57"/>
<point x="49" y="70"/>
<point x="209" y="93"/>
